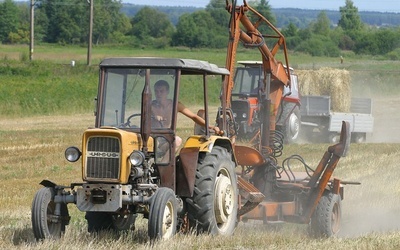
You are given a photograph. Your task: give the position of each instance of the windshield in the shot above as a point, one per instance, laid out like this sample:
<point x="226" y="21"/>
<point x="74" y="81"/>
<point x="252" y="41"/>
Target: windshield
<point x="122" y="97"/>
<point x="246" y="80"/>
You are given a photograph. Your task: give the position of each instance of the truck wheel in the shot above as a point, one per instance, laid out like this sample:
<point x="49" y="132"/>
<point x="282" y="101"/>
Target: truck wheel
<point x="358" y="137"/>
<point x="333" y="137"/>
<point x="163" y="215"/>
<point x="292" y="123"/>
<point x="45" y="223"/>
<point x="326" y="219"/>
<point x="101" y="221"/>
<point x="213" y="207"/>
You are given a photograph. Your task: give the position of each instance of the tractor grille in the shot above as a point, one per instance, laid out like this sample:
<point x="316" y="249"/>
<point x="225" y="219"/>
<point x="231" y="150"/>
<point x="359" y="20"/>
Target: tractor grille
<point x="241" y="109"/>
<point x="103" y="158"/>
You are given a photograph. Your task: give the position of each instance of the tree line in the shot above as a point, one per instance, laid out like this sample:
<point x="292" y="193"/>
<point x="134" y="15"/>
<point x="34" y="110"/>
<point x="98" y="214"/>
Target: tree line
<point x="67" y="22"/>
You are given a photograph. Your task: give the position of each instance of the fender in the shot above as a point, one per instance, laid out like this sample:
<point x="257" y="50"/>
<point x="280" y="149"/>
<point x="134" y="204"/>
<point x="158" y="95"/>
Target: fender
<point x="48" y="183"/>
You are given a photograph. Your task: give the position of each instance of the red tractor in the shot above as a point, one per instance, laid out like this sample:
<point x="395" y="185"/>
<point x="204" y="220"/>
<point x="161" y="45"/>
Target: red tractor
<point x="246" y="103"/>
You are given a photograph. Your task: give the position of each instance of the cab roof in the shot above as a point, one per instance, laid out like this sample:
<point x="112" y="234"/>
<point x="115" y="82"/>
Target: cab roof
<point x="251" y="64"/>
<point x="188" y="66"/>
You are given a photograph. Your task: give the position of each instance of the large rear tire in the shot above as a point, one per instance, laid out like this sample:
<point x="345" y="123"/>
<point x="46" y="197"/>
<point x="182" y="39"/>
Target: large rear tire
<point x="163" y="216"/>
<point x="214" y="205"/>
<point x="326" y="219"/>
<point x="45" y="223"/>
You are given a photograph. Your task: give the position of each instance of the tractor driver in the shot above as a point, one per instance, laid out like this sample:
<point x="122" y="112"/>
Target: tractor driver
<point x="162" y="110"/>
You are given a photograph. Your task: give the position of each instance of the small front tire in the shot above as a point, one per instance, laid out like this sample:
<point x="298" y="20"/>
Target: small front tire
<point x="163" y="215"/>
<point x="45" y="223"/>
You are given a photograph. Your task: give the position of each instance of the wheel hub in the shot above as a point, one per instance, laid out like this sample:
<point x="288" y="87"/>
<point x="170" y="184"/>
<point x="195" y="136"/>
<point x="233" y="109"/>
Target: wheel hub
<point x="294" y="126"/>
<point x="224" y="199"/>
<point x="167" y="220"/>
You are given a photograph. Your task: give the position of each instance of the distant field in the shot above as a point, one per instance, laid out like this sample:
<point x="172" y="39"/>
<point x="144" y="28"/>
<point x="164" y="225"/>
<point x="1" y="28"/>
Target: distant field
<point x="46" y="105"/>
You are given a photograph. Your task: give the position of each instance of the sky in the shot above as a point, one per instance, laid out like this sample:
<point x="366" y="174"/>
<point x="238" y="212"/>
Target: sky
<point x="362" y="5"/>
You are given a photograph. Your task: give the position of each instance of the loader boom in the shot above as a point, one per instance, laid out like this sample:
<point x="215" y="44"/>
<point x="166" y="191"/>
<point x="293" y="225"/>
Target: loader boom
<point x="245" y="30"/>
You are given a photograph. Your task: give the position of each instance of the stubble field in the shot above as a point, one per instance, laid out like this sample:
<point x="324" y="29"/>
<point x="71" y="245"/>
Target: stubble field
<point x="32" y="149"/>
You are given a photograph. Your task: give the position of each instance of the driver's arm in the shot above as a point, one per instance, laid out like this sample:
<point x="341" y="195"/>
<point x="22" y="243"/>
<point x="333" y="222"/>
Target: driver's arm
<point x="197" y="119"/>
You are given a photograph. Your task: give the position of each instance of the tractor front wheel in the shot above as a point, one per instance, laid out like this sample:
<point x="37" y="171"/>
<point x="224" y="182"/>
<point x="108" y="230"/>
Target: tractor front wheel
<point x="213" y="207"/>
<point x="45" y="223"/>
<point x="163" y="216"/>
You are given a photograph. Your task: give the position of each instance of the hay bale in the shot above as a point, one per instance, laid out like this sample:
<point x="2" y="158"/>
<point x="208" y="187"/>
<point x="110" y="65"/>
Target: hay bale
<point x="327" y="81"/>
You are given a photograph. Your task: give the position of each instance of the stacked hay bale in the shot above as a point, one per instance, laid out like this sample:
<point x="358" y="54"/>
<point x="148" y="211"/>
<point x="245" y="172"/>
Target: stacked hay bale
<point x="327" y="81"/>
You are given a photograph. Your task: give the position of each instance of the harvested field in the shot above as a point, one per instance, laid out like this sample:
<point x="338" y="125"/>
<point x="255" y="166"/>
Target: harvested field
<point x="32" y="149"/>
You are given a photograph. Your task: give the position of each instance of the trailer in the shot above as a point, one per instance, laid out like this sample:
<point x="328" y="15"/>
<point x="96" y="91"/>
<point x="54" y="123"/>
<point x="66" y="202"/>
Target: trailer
<point x="318" y="121"/>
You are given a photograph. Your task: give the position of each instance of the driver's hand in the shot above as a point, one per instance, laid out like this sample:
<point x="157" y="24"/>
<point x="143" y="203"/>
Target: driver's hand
<point x="217" y="131"/>
<point x="159" y="118"/>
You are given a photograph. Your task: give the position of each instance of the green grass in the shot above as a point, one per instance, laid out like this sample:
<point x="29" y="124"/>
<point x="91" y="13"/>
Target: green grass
<point x="49" y="85"/>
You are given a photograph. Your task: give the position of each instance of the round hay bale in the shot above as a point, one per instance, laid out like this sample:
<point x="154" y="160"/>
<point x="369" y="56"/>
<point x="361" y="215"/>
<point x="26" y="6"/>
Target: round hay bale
<point x="330" y="82"/>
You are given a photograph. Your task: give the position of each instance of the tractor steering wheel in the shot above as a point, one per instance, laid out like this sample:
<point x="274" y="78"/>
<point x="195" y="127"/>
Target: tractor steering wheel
<point x="155" y="123"/>
<point x="128" y="121"/>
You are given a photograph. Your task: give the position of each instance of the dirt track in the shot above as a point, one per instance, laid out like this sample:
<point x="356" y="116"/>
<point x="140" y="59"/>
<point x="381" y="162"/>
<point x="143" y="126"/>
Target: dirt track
<point x="386" y="120"/>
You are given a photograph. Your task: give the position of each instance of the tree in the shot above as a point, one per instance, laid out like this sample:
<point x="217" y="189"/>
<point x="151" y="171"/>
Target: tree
<point x="8" y="19"/>
<point x="63" y="19"/>
<point x="290" y="31"/>
<point x="193" y="30"/>
<point x="107" y="19"/>
<point x="217" y="10"/>
<point x="350" y="20"/>
<point x="150" y="25"/>
<point x="67" y="21"/>
<point x="265" y="9"/>
<point x="322" y="25"/>
<point x="185" y="32"/>
<point x="319" y="45"/>
<point x="379" y="42"/>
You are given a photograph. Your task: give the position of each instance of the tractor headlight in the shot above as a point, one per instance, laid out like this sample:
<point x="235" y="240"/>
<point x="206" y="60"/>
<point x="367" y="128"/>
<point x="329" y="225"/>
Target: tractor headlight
<point x="136" y="158"/>
<point x="72" y="154"/>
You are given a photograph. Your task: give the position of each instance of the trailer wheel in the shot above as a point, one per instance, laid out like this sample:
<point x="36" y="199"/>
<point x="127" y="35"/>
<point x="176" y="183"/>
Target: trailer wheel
<point x="333" y="137"/>
<point x="359" y="137"/>
<point x="163" y="216"/>
<point x="45" y="223"/>
<point x="326" y="219"/>
<point x="102" y="221"/>
<point x="213" y="207"/>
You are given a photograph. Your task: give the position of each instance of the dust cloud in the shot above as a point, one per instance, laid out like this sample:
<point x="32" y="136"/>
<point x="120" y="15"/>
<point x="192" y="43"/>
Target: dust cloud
<point x="369" y="219"/>
<point x="386" y="120"/>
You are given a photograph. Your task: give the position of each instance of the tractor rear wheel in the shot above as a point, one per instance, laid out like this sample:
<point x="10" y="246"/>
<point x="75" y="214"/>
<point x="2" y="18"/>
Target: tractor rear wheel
<point x="163" y="216"/>
<point x="213" y="207"/>
<point x="45" y="223"/>
<point x="326" y="219"/>
<point x="290" y="122"/>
